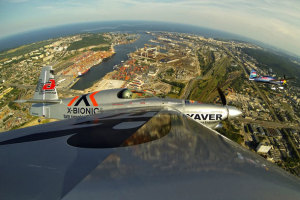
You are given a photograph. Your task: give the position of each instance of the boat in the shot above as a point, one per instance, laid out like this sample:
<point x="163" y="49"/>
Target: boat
<point x="84" y="72"/>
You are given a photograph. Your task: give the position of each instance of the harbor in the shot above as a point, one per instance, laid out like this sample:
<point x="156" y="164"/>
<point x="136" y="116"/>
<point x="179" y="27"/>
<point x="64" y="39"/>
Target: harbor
<point x="96" y="73"/>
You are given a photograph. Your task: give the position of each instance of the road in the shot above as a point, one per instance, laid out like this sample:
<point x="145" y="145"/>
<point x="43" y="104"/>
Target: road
<point x="269" y="124"/>
<point x="289" y="140"/>
<point x="188" y="88"/>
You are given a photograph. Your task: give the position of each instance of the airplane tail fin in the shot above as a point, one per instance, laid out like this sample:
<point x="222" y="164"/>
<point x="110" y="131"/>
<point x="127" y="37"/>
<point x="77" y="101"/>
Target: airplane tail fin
<point x="283" y="82"/>
<point x="253" y="75"/>
<point x="45" y="89"/>
<point x="45" y="93"/>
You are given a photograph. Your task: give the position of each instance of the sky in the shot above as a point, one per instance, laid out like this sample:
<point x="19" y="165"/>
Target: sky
<point x="274" y="22"/>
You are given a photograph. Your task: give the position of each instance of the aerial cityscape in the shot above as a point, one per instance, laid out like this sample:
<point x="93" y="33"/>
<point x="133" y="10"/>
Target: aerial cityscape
<point x="135" y="99"/>
<point x="168" y="65"/>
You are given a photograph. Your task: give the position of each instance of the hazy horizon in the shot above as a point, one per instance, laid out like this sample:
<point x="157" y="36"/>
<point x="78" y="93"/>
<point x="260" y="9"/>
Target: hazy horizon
<point x="268" y="21"/>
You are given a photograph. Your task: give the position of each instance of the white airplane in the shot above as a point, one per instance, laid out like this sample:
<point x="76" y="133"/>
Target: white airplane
<point x="47" y="104"/>
<point x="132" y="151"/>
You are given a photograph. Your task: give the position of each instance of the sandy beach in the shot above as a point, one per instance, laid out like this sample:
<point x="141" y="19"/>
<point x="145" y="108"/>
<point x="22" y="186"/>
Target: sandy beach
<point x="105" y="83"/>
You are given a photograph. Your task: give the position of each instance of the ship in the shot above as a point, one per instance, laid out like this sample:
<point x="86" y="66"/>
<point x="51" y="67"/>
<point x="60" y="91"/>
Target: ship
<point x="84" y="72"/>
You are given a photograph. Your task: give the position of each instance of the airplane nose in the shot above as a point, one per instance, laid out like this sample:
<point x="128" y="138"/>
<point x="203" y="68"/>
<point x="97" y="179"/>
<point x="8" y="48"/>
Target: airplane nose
<point x="233" y="112"/>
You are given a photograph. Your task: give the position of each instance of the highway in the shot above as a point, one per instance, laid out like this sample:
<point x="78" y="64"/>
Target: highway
<point x="187" y="90"/>
<point x="289" y="140"/>
<point x="269" y="124"/>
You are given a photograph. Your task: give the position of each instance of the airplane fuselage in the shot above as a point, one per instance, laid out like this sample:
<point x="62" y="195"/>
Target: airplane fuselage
<point x="265" y="79"/>
<point x="270" y="80"/>
<point x="99" y="101"/>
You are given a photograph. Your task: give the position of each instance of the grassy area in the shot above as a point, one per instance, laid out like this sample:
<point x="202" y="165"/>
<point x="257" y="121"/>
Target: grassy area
<point x="104" y="48"/>
<point x="35" y="122"/>
<point x="172" y="95"/>
<point x="174" y="83"/>
<point x="170" y="72"/>
<point x="206" y="90"/>
<point x="24" y="49"/>
<point x="90" y="40"/>
<point x="290" y="142"/>
<point x="291" y="165"/>
<point x="223" y="74"/>
<point x="176" y="90"/>
<point x="10" y="97"/>
<point x="287" y="107"/>
<point x="292" y="162"/>
<point x="206" y="61"/>
<point x="230" y="132"/>
<point x="238" y="82"/>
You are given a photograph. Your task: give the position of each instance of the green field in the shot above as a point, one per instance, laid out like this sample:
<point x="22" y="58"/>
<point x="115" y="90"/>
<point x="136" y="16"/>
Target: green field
<point x="206" y="61"/>
<point x="24" y="49"/>
<point x="90" y="40"/>
<point x="231" y="132"/>
<point x="223" y="75"/>
<point x="104" y="48"/>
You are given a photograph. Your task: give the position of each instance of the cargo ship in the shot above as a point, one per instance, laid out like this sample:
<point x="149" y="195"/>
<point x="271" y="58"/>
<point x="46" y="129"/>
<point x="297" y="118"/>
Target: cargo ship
<point x="84" y="72"/>
<point x="87" y="68"/>
<point x="82" y="64"/>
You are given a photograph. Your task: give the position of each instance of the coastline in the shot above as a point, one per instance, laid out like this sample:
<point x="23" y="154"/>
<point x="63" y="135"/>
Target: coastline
<point x="105" y="83"/>
<point x="87" y="69"/>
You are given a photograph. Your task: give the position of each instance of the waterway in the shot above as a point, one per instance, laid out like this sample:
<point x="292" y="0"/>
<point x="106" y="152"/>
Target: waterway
<point x="99" y="71"/>
<point x="29" y="37"/>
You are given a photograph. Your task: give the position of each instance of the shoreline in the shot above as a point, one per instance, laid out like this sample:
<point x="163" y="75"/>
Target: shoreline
<point x="105" y="82"/>
<point x="77" y="78"/>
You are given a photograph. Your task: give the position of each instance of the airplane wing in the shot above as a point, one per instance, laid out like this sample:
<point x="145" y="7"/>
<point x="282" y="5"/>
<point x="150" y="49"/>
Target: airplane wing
<point x="134" y="154"/>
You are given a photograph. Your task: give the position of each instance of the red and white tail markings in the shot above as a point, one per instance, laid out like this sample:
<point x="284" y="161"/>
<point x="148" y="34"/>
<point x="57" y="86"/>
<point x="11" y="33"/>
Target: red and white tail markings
<point x="50" y="85"/>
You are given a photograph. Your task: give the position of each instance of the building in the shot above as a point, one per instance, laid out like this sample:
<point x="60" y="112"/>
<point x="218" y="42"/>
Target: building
<point x="263" y="148"/>
<point x="152" y="71"/>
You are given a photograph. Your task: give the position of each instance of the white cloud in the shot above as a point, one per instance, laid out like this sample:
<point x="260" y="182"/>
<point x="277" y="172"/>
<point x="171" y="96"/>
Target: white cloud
<point x="45" y="7"/>
<point x="17" y="1"/>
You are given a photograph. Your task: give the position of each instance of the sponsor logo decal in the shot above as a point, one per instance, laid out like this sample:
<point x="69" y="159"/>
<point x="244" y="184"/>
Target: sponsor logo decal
<point x="45" y="88"/>
<point x="83" y="111"/>
<point x="73" y="109"/>
<point x="93" y="99"/>
<point x="72" y="101"/>
<point x="205" y="117"/>
<point x="84" y="99"/>
<point x="50" y="85"/>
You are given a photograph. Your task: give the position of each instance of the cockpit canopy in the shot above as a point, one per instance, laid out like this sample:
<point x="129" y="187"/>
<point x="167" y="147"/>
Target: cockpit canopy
<point x="134" y="94"/>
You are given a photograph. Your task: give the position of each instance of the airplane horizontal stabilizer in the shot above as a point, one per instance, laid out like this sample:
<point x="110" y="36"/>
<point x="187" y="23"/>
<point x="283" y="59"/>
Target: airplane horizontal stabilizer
<point x="37" y="101"/>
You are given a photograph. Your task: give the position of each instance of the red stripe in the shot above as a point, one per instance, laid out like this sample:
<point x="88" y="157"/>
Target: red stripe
<point x="93" y="99"/>
<point x="72" y="101"/>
